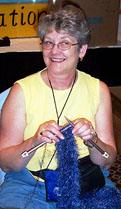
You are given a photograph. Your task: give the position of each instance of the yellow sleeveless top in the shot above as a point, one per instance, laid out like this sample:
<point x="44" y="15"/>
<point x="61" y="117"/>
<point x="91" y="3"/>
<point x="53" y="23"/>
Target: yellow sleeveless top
<point x="82" y="103"/>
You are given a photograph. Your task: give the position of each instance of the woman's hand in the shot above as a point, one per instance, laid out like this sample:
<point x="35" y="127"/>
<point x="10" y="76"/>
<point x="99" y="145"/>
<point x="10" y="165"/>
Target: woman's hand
<point x="48" y="132"/>
<point x="84" y="129"/>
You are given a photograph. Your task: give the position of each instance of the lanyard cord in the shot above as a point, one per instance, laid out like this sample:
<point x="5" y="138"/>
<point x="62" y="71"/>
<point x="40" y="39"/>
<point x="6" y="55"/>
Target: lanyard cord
<point x="55" y="104"/>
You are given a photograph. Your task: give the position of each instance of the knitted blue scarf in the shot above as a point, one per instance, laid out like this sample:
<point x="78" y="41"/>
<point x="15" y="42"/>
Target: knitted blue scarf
<point x="68" y="178"/>
<point x="69" y="185"/>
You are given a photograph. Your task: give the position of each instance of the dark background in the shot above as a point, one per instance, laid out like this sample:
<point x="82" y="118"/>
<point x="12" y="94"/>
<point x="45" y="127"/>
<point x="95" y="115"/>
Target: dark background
<point x="103" y="63"/>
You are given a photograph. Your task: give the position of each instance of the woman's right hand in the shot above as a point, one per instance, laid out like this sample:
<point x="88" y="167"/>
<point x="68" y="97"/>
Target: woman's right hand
<point x="48" y="132"/>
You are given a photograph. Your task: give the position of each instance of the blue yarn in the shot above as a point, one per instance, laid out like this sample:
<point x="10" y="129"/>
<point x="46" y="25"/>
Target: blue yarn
<point x="69" y="185"/>
<point x="105" y="198"/>
<point x="68" y="179"/>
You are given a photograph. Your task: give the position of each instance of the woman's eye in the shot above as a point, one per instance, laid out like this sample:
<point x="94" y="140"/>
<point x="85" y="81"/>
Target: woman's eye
<point x="65" y="43"/>
<point x="48" y="42"/>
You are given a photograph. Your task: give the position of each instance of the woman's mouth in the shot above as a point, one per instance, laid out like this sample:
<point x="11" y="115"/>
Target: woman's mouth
<point x="57" y="59"/>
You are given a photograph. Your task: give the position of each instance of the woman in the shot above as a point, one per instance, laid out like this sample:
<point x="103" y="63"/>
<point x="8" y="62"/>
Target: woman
<point x="36" y="106"/>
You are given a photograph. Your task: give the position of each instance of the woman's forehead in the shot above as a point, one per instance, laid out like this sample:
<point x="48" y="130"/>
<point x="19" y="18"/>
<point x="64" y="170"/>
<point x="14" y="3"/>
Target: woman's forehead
<point x="61" y="34"/>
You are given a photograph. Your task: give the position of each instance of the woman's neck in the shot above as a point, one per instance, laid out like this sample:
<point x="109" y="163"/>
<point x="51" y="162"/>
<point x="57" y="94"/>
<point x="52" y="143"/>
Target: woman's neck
<point x="61" y="82"/>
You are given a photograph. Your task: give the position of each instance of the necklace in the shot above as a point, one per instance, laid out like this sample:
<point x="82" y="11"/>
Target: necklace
<point x="54" y="99"/>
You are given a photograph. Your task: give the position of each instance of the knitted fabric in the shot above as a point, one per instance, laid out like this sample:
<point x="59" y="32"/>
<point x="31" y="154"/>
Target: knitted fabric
<point x="68" y="181"/>
<point x="105" y="198"/>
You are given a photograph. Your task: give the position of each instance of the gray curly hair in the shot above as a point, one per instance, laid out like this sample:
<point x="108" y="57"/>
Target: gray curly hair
<point x="70" y="20"/>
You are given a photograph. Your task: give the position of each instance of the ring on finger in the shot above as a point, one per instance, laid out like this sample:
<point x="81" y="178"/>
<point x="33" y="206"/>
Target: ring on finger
<point x="92" y="131"/>
<point x="94" y="135"/>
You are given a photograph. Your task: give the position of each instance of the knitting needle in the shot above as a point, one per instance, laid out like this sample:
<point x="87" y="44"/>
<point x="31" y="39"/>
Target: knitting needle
<point x="27" y="153"/>
<point x="104" y="153"/>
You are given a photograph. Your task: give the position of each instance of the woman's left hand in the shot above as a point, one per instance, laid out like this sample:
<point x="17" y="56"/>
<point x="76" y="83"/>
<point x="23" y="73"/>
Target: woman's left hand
<point x="83" y="128"/>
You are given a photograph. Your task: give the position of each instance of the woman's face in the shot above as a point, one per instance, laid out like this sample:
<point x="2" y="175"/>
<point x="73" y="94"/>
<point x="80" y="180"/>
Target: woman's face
<point x="56" y="59"/>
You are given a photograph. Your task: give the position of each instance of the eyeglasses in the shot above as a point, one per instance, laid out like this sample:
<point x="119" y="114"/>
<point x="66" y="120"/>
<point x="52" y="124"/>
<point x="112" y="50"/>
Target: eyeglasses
<point x="65" y="45"/>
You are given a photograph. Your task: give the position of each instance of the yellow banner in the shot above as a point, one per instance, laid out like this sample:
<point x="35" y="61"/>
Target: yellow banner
<point x="20" y="20"/>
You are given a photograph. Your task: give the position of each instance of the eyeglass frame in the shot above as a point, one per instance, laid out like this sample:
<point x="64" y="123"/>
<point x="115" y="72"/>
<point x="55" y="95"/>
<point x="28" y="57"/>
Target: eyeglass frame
<point x="58" y="44"/>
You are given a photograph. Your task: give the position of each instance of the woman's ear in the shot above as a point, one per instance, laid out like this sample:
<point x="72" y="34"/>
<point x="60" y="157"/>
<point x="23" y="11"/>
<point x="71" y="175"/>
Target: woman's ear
<point x="83" y="50"/>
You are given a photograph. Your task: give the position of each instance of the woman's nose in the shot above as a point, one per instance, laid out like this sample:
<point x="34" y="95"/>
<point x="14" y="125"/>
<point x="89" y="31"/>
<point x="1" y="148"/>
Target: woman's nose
<point x="55" y="48"/>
